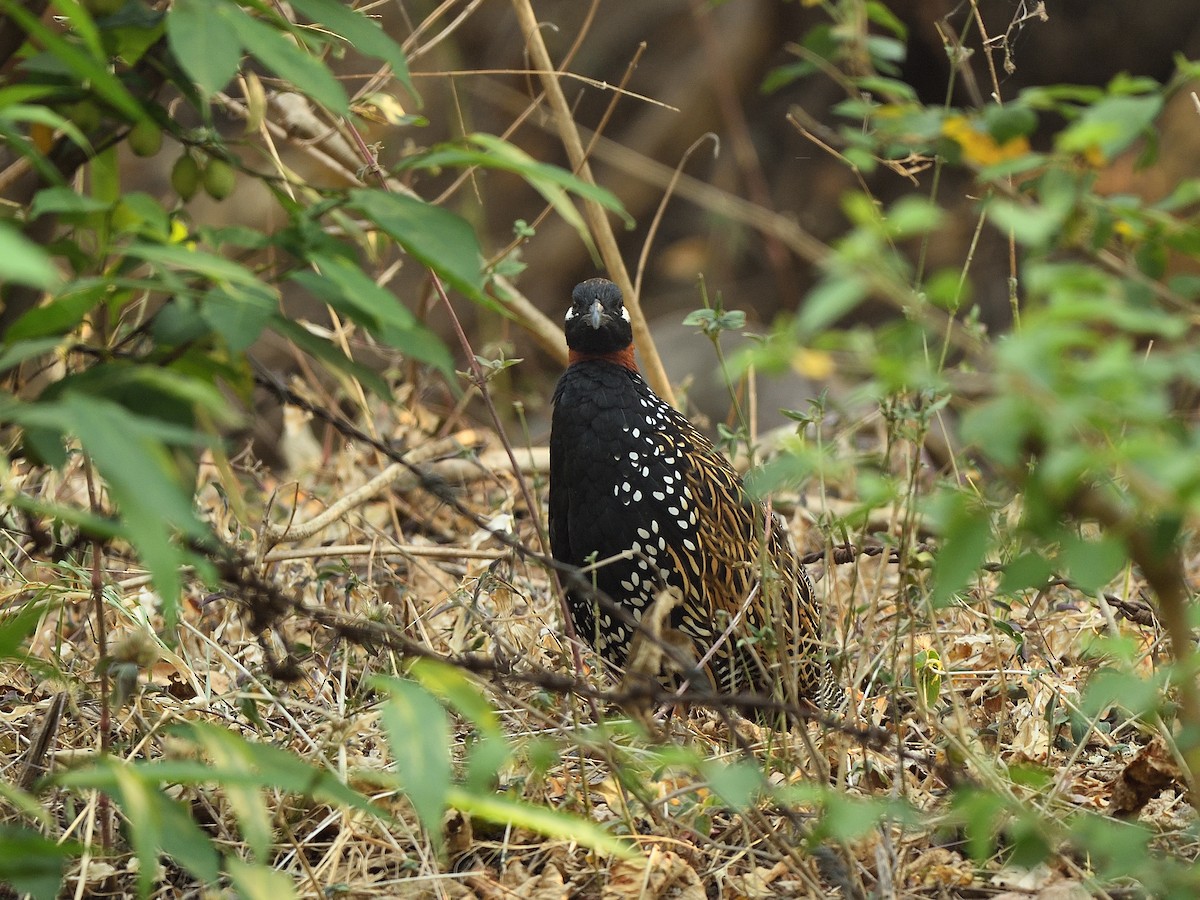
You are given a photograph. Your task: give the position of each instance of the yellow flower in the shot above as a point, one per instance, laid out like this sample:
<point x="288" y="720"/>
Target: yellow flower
<point x="980" y="148"/>
<point x="814" y="364"/>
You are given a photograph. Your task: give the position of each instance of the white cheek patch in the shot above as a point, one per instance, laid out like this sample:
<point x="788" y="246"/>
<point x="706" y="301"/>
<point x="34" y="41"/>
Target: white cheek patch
<point x="570" y="313"/>
<point x="624" y="314"/>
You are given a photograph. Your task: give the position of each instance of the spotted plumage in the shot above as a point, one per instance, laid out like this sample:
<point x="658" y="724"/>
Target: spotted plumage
<point x="641" y="496"/>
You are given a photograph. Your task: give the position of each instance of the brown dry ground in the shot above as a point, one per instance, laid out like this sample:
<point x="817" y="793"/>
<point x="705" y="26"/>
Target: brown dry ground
<point x="405" y="562"/>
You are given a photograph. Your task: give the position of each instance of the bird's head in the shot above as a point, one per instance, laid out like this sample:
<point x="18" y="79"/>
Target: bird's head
<point x="597" y="323"/>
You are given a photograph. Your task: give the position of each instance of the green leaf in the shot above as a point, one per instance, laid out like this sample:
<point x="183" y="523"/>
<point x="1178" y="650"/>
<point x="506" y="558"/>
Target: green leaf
<point x="419" y="734"/>
<point x="42" y="116"/>
<point x="24" y="262"/>
<point x="238" y="316"/>
<point x="982" y="814"/>
<point x="1092" y="564"/>
<point x="737" y="784"/>
<point x="85" y="521"/>
<point x="361" y="33"/>
<point x="31" y="863"/>
<point x="328" y="354"/>
<point x="344" y="286"/>
<point x="434" y="237"/>
<point x="1027" y="840"/>
<point x="1031" y="225"/>
<point x="63" y="200"/>
<point x="1000" y="428"/>
<point x="260" y="765"/>
<point x="1110" y="687"/>
<point x="1120" y="849"/>
<point x="490" y="750"/>
<point x="849" y="818"/>
<point x="285" y="59"/>
<point x="1111" y="125"/>
<point x="968" y="532"/>
<point x="835" y="296"/>
<point x="82" y="26"/>
<point x="164" y="398"/>
<point x="88" y="69"/>
<point x="259" y="882"/>
<point x="205" y="43"/>
<point x="60" y="315"/>
<point x="16" y="353"/>
<point x="928" y="672"/>
<point x="551" y="823"/>
<point x="228" y="752"/>
<point x="15" y="628"/>
<point x="156" y="824"/>
<point x="200" y="262"/>
<point x="453" y="686"/>
<point x="878" y="13"/>
<point x="145" y="483"/>
<point x="1028" y="571"/>
<point x="913" y="215"/>
<point x="552" y="182"/>
<point x="1009" y="121"/>
<point x="500" y="154"/>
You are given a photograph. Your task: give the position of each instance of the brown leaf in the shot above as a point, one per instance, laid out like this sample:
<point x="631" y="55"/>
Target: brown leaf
<point x="1143" y="779"/>
<point x="759" y="884"/>
<point x="661" y="875"/>
<point x="937" y="867"/>
<point x="645" y="650"/>
<point x="546" y="885"/>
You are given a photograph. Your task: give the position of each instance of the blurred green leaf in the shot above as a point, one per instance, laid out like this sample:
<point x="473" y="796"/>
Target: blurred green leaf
<point x="31" y="863"/>
<point x="17" y="626"/>
<point x="1028" y="571"/>
<point x="326" y="352"/>
<point x="14" y="353"/>
<point x="847" y="818"/>
<point x="548" y="822"/>
<point x="1110" y="125"/>
<point x="419" y="736"/>
<point x="1111" y="687"/>
<point x="144" y="481"/>
<point x="1092" y="564"/>
<point x="738" y="784"/>
<point x="23" y="262"/>
<point x="832" y="298"/>
<point x="490" y="749"/>
<point x="966" y="536"/>
<point x="552" y="182"/>
<point x="259" y="881"/>
<point x="90" y="69"/>
<point x="156" y="824"/>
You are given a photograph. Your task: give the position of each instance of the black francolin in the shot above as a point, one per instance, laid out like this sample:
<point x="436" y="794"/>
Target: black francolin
<point x="645" y="500"/>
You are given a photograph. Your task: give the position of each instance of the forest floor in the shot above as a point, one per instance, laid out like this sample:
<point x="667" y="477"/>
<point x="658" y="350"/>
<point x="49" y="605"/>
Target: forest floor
<point x="984" y="691"/>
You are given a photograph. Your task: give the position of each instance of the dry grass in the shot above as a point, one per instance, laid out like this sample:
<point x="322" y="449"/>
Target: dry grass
<point x="414" y="568"/>
<point x="994" y="707"/>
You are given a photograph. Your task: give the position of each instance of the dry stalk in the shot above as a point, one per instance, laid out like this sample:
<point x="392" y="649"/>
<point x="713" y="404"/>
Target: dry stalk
<point x="402" y="477"/>
<point x="598" y="222"/>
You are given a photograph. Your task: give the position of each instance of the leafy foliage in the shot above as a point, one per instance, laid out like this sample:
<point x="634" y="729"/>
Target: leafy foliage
<point x="125" y="345"/>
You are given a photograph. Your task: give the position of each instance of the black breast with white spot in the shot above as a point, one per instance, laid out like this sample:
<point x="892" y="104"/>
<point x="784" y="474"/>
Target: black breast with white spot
<point x="644" y="501"/>
<point x="617" y="497"/>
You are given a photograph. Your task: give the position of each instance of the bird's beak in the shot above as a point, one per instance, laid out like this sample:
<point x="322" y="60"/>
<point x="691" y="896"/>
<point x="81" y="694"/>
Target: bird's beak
<point x="597" y="314"/>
